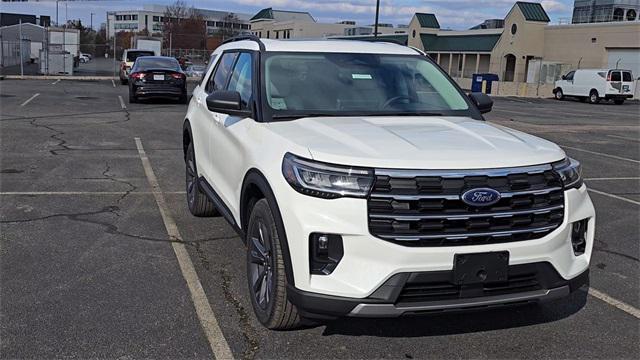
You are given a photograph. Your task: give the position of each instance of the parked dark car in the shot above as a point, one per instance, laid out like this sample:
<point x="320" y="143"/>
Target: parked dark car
<point x="157" y="77"/>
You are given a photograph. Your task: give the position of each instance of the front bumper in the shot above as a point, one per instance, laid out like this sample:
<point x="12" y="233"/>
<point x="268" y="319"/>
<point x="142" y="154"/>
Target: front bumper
<point x="369" y="262"/>
<point x="388" y="301"/>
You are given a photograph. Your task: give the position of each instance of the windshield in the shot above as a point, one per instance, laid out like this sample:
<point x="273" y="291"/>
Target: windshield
<point x="364" y="84"/>
<point x="133" y="55"/>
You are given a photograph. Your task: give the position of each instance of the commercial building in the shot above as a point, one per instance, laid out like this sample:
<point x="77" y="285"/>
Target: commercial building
<point x="282" y="24"/>
<point x="527" y="49"/>
<point x="151" y="18"/>
<point x="593" y="11"/>
<point x="7" y="19"/>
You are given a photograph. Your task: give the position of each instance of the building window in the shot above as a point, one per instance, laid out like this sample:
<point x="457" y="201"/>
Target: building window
<point x="156" y="18"/>
<point x="134" y="17"/>
<point x="118" y="17"/>
<point x="267" y="34"/>
<point x="413" y="34"/>
<point x="631" y="15"/>
<point x="594" y="40"/>
<point x="618" y="14"/>
<point x="514" y="29"/>
<point x="277" y="34"/>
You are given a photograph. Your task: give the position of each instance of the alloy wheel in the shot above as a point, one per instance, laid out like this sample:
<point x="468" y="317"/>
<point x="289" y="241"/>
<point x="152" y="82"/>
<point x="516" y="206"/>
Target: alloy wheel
<point x="191" y="179"/>
<point x="261" y="265"/>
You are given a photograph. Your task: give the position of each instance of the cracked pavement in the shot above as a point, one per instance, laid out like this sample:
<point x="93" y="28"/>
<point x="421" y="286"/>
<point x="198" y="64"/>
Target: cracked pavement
<point x="87" y="269"/>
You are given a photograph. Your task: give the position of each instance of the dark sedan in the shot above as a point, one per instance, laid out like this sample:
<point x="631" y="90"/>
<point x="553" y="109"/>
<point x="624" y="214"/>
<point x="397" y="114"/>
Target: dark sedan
<point x="157" y="77"/>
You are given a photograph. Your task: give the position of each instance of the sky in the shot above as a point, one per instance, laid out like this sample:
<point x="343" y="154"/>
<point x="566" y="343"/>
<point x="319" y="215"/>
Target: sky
<point x="453" y="14"/>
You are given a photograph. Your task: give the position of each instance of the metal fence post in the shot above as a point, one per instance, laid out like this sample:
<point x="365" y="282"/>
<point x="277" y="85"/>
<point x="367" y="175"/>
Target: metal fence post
<point x="21" y="50"/>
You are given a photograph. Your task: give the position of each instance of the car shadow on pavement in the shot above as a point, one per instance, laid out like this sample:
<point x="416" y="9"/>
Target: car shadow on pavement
<point x="460" y="322"/>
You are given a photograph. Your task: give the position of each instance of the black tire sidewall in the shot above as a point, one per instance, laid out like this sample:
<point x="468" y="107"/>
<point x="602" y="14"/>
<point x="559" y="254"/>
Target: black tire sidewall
<point x="559" y="95"/>
<point x="191" y="154"/>
<point x="262" y="211"/>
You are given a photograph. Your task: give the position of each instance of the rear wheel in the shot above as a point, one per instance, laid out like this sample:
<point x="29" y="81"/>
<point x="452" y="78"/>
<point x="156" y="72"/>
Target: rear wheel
<point x="123" y="81"/>
<point x="594" y="98"/>
<point x="132" y="98"/>
<point x="266" y="271"/>
<point x="618" y="101"/>
<point x="559" y="95"/>
<point x="199" y="204"/>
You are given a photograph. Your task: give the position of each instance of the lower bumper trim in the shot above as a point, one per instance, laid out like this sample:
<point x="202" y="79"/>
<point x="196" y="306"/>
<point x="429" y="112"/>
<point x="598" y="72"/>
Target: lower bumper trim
<point x="391" y="310"/>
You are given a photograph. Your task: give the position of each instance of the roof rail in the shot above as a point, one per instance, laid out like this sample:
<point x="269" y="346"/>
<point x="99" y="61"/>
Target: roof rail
<point x="249" y="37"/>
<point x="391" y="41"/>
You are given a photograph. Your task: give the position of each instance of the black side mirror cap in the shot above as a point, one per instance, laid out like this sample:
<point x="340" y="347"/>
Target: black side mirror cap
<point x="564" y="77"/>
<point x="228" y="102"/>
<point x="482" y="101"/>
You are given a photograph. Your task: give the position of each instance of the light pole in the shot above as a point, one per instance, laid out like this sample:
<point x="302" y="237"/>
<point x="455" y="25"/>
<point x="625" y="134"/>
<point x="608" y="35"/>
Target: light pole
<point x="91" y="26"/>
<point x="375" y="27"/>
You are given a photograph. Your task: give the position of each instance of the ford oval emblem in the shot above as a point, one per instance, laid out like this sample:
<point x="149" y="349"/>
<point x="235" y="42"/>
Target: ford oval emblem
<point x="481" y="197"/>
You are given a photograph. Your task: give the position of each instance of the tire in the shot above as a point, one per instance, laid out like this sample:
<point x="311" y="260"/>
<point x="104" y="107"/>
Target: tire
<point x="559" y="95"/>
<point x="123" y="81"/>
<point x="266" y="271"/>
<point x="199" y="204"/>
<point x="618" y="101"/>
<point x="183" y="99"/>
<point x="594" y="98"/>
<point x="132" y="98"/>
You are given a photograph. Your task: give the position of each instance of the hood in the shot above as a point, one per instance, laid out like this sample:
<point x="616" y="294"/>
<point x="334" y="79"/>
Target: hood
<point x="416" y="142"/>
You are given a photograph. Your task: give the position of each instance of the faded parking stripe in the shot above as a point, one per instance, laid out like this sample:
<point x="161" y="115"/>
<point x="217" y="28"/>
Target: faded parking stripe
<point x="29" y="99"/>
<point x="614" y="302"/>
<point x="208" y="320"/>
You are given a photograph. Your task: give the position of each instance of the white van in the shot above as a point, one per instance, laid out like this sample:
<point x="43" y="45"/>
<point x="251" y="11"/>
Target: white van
<point x="596" y="84"/>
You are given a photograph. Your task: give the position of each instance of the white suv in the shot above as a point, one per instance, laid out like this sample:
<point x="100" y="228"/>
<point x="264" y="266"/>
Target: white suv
<point x="366" y="183"/>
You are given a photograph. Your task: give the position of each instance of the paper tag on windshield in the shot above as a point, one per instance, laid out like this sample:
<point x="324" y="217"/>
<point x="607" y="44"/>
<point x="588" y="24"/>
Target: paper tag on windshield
<point x="361" y="76"/>
<point x="278" y="104"/>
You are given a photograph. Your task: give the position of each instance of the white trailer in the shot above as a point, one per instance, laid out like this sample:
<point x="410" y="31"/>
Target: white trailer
<point x="148" y="43"/>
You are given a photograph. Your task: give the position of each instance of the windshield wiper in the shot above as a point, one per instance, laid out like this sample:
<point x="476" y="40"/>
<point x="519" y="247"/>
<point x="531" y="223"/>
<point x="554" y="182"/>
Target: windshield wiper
<point x="299" y="116"/>
<point x="407" y="113"/>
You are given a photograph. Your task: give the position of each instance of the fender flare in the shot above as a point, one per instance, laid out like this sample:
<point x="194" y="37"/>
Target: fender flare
<point x="255" y="178"/>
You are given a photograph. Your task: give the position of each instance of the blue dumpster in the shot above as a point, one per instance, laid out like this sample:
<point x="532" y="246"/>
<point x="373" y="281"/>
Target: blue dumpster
<point x="476" y="82"/>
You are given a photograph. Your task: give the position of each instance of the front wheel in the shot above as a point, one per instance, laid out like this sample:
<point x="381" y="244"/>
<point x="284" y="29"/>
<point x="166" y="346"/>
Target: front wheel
<point x="266" y="271"/>
<point x="559" y="95"/>
<point x="132" y="98"/>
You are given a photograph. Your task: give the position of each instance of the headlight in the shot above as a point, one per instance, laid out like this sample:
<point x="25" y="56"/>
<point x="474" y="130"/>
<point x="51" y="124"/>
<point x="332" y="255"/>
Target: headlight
<point x="570" y="172"/>
<point x="326" y="180"/>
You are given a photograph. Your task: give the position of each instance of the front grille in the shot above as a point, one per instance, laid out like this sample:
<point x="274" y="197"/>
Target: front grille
<point x="435" y="287"/>
<point x="424" y="208"/>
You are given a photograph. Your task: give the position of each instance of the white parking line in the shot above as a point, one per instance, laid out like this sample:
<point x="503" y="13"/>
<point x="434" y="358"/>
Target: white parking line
<point x="614" y="196"/>
<point x="122" y="102"/>
<point x="623" y="138"/>
<point x="601" y="154"/>
<point x="614" y="302"/>
<point x="55" y="82"/>
<point x="113" y="83"/>
<point x="208" y="320"/>
<point x="612" y="178"/>
<point x="29" y="99"/>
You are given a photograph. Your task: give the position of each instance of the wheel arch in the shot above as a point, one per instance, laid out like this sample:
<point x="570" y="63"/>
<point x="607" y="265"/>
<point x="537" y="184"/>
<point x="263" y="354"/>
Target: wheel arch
<point x="255" y="187"/>
<point x="187" y="137"/>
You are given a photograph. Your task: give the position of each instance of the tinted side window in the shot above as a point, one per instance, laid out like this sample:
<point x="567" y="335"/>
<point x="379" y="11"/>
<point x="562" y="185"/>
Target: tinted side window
<point x="615" y="76"/>
<point x="212" y="61"/>
<point x="219" y="78"/>
<point x="570" y="75"/>
<point x="241" y="79"/>
<point x="626" y="76"/>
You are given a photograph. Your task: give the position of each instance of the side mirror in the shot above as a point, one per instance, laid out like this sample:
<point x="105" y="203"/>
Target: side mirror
<point x="564" y="77"/>
<point x="482" y="101"/>
<point x="227" y="102"/>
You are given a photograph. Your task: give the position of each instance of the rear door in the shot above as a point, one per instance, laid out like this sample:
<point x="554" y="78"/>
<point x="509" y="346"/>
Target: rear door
<point x="614" y="86"/>
<point x="627" y="83"/>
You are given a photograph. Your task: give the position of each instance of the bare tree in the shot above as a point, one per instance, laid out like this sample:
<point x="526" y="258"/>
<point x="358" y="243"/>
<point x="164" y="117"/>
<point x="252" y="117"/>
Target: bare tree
<point x="183" y="27"/>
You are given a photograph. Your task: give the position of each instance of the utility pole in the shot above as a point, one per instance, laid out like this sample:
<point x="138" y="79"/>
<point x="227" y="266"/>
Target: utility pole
<point x="375" y="28"/>
<point x="91" y="26"/>
<point x="57" y="22"/>
<point x="21" y="52"/>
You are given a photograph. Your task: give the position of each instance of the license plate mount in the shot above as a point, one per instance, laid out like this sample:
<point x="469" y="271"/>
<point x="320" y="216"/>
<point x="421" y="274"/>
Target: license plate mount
<point x="158" y="77"/>
<point x="478" y="268"/>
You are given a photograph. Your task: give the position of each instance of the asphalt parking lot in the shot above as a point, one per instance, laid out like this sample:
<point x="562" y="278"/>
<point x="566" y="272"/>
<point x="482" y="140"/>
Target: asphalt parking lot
<point x="88" y="269"/>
